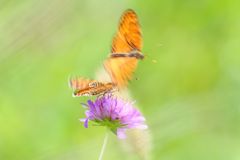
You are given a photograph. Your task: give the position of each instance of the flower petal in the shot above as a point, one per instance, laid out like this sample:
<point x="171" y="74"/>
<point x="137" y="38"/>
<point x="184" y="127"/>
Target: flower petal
<point x="86" y="123"/>
<point x="82" y="119"/>
<point x="84" y="105"/>
<point x="114" y="113"/>
<point x="121" y="133"/>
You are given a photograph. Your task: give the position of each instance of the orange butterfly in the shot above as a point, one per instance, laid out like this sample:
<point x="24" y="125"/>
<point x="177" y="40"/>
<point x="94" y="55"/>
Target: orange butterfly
<point x="126" y="50"/>
<point x="87" y="87"/>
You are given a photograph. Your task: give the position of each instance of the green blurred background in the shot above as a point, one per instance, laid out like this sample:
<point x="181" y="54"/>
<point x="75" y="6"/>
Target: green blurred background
<point x="190" y="97"/>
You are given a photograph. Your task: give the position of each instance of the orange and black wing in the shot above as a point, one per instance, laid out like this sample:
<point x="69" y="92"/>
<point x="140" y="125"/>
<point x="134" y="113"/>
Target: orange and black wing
<point x="127" y="42"/>
<point x="128" y="36"/>
<point x="87" y="87"/>
<point x="81" y="86"/>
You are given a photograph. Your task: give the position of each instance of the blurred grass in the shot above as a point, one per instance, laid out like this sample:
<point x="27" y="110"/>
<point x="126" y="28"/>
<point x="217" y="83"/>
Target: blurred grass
<point x="190" y="97"/>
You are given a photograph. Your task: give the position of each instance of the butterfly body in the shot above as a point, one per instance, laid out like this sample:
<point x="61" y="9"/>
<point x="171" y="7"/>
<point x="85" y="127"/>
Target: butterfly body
<point x="134" y="54"/>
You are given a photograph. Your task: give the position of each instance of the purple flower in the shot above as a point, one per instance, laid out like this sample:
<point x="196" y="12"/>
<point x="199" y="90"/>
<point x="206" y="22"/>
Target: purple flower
<point x="115" y="114"/>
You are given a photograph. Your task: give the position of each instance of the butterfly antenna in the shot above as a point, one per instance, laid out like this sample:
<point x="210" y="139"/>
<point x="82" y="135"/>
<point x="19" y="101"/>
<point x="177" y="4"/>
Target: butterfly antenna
<point x="70" y="81"/>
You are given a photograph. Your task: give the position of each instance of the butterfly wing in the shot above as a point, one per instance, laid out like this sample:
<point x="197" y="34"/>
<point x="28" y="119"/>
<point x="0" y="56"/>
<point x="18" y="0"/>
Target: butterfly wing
<point x="87" y="87"/>
<point x="120" y="69"/>
<point x="128" y="39"/>
<point x="81" y="86"/>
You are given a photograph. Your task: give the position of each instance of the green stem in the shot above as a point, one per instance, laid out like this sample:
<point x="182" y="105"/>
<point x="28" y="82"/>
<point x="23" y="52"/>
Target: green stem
<point x="103" y="146"/>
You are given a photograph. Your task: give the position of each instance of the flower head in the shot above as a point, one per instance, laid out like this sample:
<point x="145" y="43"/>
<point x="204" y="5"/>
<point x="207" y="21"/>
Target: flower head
<point x="115" y="114"/>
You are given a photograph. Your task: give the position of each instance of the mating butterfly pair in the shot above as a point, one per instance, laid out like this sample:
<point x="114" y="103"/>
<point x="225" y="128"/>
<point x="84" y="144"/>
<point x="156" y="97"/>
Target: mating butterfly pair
<point x="122" y="62"/>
